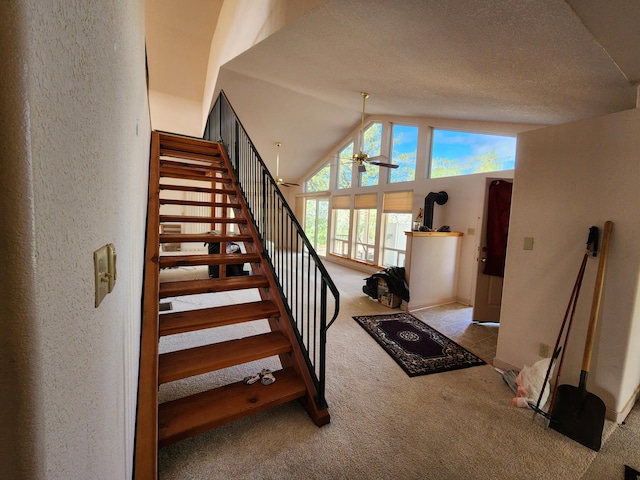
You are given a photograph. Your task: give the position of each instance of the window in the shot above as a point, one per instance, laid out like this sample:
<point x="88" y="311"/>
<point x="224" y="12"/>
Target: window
<point x="463" y="153"/>
<point x="403" y="153"/>
<point x="366" y="211"/>
<point x="372" y="146"/>
<point x="345" y="166"/>
<point x="397" y="219"/>
<point x="341" y="223"/>
<point x="319" y="182"/>
<point x="316" y="219"/>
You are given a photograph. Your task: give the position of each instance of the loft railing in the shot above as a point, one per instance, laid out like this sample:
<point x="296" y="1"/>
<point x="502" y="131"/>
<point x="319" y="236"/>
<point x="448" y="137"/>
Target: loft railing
<point x="302" y="279"/>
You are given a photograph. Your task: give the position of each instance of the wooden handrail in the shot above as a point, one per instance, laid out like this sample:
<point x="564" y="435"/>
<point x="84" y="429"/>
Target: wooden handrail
<point x="146" y="448"/>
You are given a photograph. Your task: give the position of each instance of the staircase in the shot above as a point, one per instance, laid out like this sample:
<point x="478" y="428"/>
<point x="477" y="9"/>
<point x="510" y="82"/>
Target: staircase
<point x="194" y="198"/>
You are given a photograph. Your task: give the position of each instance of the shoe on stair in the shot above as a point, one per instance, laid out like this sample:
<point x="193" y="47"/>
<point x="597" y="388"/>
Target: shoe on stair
<point x="267" y="377"/>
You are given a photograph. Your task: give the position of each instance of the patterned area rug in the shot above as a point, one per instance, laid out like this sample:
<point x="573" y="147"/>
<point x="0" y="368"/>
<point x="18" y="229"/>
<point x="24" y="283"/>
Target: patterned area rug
<point x="418" y="348"/>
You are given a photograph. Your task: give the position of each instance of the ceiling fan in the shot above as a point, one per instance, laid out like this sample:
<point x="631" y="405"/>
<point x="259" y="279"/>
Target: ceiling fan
<point x="279" y="180"/>
<point x="362" y="158"/>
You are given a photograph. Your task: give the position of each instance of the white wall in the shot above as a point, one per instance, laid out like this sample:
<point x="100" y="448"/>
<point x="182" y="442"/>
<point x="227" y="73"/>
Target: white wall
<point x="84" y="124"/>
<point x="569" y="177"/>
<point x="175" y="114"/>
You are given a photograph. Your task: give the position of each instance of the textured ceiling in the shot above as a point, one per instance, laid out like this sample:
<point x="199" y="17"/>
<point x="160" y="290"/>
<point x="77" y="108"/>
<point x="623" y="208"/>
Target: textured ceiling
<point x="525" y="61"/>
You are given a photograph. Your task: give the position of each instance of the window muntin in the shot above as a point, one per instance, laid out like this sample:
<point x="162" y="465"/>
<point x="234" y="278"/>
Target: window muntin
<point x="403" y="153"/>
<point x="372" y="146"/>
<point x="463" y="153"/>
<point x="345" y="166"/>
<point x="319" y="181"/>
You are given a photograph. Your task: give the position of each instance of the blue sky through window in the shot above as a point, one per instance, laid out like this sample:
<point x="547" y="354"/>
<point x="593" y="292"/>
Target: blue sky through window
<point x="461" y="153"/>
<point x="403" y="153"/>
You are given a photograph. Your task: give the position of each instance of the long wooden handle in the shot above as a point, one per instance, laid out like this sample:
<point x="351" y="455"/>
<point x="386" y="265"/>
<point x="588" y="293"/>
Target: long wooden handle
<point x="597" y="295"/>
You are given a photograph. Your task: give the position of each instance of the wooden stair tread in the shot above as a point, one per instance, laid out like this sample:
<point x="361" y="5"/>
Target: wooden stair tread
<point x="209" y="153"/>
<point x="178" y="146"/>
<point x="210" y="259"/>
<point x="187" y="143"/>
<point x="207" y="358"/>
<point x="172" y="173"/>
<point x="180" y="322"/>
<point x="190" y="188"/>
<point x="197" y="203"/>
<point x="203" y="237"/>
<point x="176" y="289"/>
<point x="203" y="411"/>
<point x="189" y="169"/>
<point x="193" y="167"/>
<point x="197" y="219"/>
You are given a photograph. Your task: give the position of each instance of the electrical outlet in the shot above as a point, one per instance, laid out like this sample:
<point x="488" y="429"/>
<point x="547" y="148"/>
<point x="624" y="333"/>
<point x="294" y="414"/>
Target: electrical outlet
<point x="544" y="350"/>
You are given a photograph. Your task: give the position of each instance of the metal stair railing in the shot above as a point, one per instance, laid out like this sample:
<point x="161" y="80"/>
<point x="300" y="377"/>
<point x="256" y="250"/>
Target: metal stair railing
<point x="302" y="279"/>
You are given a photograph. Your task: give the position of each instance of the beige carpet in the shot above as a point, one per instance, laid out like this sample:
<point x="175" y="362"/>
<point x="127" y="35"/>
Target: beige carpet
<point x="454" y="425"/>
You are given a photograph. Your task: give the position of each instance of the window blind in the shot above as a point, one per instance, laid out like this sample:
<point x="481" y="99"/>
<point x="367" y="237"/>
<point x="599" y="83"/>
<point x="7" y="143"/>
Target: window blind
<point x="397" y="202"/>
<point x="366" y="200"/>
<point x="341" y="201"/>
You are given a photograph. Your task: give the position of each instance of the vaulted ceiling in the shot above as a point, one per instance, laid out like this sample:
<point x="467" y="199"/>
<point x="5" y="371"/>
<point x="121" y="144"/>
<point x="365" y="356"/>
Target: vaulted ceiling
<point x="525" y="61"/>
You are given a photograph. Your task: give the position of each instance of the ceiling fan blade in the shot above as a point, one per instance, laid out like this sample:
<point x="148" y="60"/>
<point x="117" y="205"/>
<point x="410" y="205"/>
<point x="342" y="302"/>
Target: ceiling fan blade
<point x="377" y="158"/>
<point x="282" y="183"/>
<point x="382" y="164"/>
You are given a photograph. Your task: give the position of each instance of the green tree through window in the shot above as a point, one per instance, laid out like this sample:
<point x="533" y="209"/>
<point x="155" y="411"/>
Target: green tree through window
<point x="372" y="146"/>
<point x="345" y="166"/>
<point x="319" y="182"/>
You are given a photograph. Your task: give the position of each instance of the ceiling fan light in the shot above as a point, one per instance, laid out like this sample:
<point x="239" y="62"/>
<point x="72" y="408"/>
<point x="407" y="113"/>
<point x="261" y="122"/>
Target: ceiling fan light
<point x="362" y="168"/>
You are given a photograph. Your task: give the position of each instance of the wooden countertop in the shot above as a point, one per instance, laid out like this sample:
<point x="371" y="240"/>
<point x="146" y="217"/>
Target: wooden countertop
<point x="433" y="234"/>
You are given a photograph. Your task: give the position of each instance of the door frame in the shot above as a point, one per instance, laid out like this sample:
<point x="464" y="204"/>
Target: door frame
<point x="481" y="232"/>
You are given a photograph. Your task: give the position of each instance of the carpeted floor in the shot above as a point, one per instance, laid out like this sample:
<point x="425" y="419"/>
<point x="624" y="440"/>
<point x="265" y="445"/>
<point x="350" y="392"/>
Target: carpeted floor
<point x="386" y="425"/>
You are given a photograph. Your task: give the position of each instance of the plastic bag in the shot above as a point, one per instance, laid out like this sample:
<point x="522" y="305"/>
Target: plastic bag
<point x="530" y="380"/>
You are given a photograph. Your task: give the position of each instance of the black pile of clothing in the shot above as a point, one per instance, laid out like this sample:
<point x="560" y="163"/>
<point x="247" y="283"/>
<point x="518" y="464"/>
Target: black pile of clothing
<point x="394" y="276"/>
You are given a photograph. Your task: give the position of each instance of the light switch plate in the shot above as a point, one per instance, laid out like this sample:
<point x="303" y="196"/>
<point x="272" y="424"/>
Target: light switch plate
<point x="101" y="271"/>
<point x="111" y="265"/>
<point x="528" y="243"/>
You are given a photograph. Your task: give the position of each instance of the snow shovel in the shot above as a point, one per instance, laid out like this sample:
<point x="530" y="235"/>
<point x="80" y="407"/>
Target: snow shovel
<point x="576" y="413"/>
<point x="592" y="249"/>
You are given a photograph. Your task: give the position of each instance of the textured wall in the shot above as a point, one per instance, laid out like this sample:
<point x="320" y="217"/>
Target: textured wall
<point x="568" y="178"/>
<point x="19" y="392"/>
<point x="88" y="144"/>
